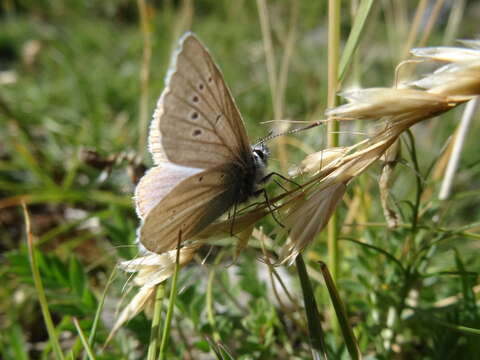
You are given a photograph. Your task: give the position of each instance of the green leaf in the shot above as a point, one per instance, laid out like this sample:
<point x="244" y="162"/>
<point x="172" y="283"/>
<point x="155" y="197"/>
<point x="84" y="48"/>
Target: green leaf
<point x="202" y="345"/>
<point x="78" y="280"/>
<point x="17" y="342"/>
<point x="354" y="37"/>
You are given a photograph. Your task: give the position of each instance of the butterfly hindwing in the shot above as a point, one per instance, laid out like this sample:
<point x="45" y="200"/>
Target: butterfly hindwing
<point x="190" y="206"/>
<point x="157" y="183"/>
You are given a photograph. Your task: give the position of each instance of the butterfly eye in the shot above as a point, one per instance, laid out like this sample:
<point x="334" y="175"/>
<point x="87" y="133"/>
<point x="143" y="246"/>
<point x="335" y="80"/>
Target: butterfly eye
<point x="260" y="154"/>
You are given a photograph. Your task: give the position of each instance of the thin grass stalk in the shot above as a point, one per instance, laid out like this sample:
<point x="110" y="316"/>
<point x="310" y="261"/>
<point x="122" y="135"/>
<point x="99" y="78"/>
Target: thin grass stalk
<point x="282" y="82"/>
<point x="275" y="90"/>
<point x="42" y="299"/>
<point x="98" y="313"/>
<point x="333" y="127"/>
<point x="458" y="143"/>
<point x="454" y="21"/>
<point x="268" y="48"/>
<point x="359" y="24"/>
<point x="171" y="304"/>
<point x="460" y="328"/>
<point x="270" y="274"/>
<point x="412" y="35"/>
<point x="287" y="56"/>
<point x="144" y="75"/>
<point x="182" y="21"/>
<point x="209" y="299"/>
<point x="360" y="12"/>
<point x="431" y="22"/>
<point x="155" y="328"/>
<point x="347" y="332"/>
<point x="315" y="332"/>
<point x="86" y="346"/>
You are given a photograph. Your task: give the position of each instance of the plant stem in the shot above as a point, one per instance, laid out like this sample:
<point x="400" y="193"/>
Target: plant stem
<point x="341" y="313"/>
<point x="42" y="299"/>
<point x="144" y="74"/>
<point x="86" y="346"/>
<point x="333" y="60"/>
<point x="171" y="303"/>
<point x="154" y="331"/>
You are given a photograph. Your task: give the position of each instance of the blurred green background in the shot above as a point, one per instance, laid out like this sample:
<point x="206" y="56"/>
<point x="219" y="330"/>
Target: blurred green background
<point x="70" y="80"/>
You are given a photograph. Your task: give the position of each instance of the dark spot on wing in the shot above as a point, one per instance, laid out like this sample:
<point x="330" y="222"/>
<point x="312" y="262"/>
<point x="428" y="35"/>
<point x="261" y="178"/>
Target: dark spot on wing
<point x="197" y="132"/>
<point x="200" y="179"/>
<point x="194" y="115"/>
<point x="210" y="79"/>
<point x="195" y="98"/>
<point x="201" y="86"/>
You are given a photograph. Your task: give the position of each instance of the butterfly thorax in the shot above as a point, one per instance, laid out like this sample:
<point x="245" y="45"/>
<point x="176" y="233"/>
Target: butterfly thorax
<point x="253" y="175"/>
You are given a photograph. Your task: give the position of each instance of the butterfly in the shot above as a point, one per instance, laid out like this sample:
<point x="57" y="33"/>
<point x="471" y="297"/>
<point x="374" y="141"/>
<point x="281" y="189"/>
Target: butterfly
<point x="204" y="163"/>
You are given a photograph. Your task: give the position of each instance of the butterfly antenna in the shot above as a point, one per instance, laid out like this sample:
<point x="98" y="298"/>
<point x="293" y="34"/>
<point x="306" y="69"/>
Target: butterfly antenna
<point x="263" y="139"/>
<point x="271" y="136"/>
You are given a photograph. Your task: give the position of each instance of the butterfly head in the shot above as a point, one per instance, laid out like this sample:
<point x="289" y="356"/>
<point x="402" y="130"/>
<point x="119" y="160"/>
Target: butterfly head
<point x="260" y="155"/>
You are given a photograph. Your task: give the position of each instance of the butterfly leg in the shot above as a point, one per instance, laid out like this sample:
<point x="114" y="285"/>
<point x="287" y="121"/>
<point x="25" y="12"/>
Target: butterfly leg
<point x="268" y="176"/>
<point x="269" y="205"/>
<point x="232" y="223"/>
<point x="279" y="184"/>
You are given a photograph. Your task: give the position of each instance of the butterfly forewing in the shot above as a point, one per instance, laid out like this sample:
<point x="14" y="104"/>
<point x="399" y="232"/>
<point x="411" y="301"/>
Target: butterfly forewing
<point x="192" y="205"/>
<point x="197" y="114"/>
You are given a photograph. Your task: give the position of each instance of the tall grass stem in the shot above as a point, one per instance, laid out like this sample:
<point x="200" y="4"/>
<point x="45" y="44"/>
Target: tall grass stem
<point x="39" y="287"/>
<point x="459" y="142"/>
<point x="144" y="75"/>
<point x="154" y="330"/>
<point x="333" y="127"/>
<point x="171" y="304"/>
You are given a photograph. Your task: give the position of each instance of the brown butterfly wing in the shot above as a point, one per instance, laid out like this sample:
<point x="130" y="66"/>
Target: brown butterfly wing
<point x="190" y="207"/>
<point x="196" y="122"/>
<point x="157" y="183"/>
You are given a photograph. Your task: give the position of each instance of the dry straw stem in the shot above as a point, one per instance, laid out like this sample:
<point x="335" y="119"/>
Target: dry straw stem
<point x="278" y="80"/>
<point x="144" y="72"/>
<point x="389" y="162"/>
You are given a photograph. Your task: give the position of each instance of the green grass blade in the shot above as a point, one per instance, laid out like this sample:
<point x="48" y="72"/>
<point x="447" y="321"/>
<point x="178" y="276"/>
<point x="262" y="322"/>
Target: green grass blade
<point x="460" y="328"/>
<point x="347" y="331"/>
<point x="39" y="287"/>
<point x="154" y="332"/>
<point x="315" y="331"/>
<point x="354" y="36"/>
<point x="98" y="313"/>
<point x="17" y="343"/>
<point x="86" y="346"/>
<point x="171" y="304"/>
<point x="376" y="248"/>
